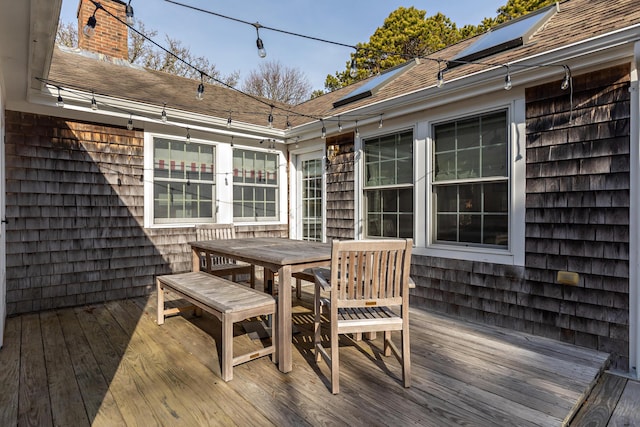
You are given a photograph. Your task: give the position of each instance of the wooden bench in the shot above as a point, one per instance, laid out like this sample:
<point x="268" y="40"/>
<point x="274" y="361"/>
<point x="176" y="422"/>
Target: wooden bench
<point x="228" y="301"/>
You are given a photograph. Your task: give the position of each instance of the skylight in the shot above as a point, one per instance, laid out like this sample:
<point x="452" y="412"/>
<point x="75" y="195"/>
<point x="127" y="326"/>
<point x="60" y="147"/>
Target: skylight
<point x="507" y="36"/>
<point x="373" y="85"/>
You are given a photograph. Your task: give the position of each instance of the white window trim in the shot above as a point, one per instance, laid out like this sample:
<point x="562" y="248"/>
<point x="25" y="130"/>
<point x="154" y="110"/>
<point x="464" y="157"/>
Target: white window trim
<point x="224" y="182"/>
<point x="514" y="255"/>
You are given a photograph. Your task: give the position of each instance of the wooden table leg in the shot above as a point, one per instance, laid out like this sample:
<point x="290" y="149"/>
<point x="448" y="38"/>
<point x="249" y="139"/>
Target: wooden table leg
<point x="283" y="330"/>
<point x="195" y="260"/>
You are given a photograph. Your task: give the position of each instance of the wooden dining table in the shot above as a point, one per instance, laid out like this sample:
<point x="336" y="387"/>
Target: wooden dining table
<point x="284" y="256"/>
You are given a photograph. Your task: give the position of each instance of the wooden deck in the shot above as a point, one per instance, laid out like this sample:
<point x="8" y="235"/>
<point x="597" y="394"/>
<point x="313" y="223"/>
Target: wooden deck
<point x="111" y="365"/>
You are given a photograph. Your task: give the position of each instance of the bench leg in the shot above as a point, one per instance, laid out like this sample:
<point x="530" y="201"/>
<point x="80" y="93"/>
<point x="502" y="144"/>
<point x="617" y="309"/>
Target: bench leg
<point x="227" y="349"/>
<point x="160" y="302"/>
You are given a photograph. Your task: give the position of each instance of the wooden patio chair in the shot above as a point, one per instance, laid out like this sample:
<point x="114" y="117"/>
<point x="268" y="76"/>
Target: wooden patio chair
<point x="220" y="266"/>
<point x="367" y="278"/>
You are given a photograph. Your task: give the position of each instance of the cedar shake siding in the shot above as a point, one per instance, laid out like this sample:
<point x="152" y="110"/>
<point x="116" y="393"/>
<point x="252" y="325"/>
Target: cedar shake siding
<point x="75" y="205"/>
<point x="577" y="219"/>
<point x="341" y="190"/>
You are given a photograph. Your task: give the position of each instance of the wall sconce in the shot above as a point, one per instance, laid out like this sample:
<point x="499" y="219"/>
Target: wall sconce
<point x="332" y="152"/>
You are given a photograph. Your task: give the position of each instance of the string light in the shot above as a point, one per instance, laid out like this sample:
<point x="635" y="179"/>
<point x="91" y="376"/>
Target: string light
<point x="163" y="115"/>
<point x="261" y="50"/>
<point x="323" y="134"/>
<point x="188" y="137"/>
<point x="59" y="101"/>
<point x="200" y="92"/>
<point x="440" y="75"/>
<point x="130" y="122"/>
<point x="94" y="104"/>
<point x="288" y="125"/>
<point x="507" y="80"/>
<point x="380" y="122"/>
<point x="129" y="12"/>
<point x="339" y="125"/>
<point x="353" y="69"/>
<point x="270" y="118"/>
<point x="229" y="120"/>
<point x="90" y="29"/>
<point x="231" y="143"/>
<point x="357" y="131"/>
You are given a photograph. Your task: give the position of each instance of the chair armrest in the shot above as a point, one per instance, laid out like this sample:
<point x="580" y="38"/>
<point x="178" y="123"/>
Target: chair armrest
<point x="322" y="276"/>
<point x="412" y="284"/>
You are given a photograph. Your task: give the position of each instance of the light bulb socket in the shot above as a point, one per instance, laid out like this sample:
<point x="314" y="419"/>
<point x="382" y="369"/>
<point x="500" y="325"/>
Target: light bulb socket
<point x="229" y="122"/>
<point x="94" y="104"/>
<point x="130" y="124"/>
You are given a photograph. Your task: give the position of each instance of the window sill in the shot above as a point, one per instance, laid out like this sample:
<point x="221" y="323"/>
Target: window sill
<point x="494" y="256"/>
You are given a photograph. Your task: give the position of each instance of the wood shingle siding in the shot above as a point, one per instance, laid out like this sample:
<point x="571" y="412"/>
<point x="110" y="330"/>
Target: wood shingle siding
<point x="75" y="206"/>
<point x="577" y="219"/>
<point x="340" y="191"/>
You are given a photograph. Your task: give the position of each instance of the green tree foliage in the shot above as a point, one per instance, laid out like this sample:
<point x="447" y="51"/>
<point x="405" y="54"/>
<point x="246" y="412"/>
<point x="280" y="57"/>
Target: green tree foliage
<point x="407" y="33"/>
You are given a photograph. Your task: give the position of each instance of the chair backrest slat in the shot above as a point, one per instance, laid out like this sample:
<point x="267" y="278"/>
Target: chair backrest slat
<point x="215" y="232"/>
<point x="370" y="272"/>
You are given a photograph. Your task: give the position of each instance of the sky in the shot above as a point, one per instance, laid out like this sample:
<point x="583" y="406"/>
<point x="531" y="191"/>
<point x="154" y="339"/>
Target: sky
<point x="231" y="45"/>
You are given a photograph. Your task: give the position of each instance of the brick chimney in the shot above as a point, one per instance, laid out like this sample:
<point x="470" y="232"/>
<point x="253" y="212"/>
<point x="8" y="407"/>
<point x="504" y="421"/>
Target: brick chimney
<point x="111" y="36"/>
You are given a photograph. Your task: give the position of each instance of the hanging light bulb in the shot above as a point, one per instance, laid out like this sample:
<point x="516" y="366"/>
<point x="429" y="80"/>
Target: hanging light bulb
<point x="270" y="119"/>
<point x="94" y="104"/>
<point x="440" y="78"/>
<point x="323" y="132"/>
<point x="163" y="115"/>
<point x="380" y="122"/>
<point x="188" y="138"/>
<point x="231" y="141"/>
<point x="357" y="131"/>
<point x="59" y="101"/>
<point x="297" y="141"/>
<point x="507" y="80"/>
<point x="130" y="123"/>
<point x="90" y="29"/>
<point x="261" y="50"/>
<point x="200" y="92"/>
<point x="566" y="82"/>
<point x="288" y="125"/>
<point x="129" y="12"/>
<point x="339" y="125"/>
<point x="353" y="69"/>
<point x="229" y="120"/>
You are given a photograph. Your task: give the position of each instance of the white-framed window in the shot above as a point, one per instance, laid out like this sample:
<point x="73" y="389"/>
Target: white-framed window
<point x="255" y="186"/>
<point x="471" y="184"/>
<point x="184" y="182"/>
<point x="388" y="185"/>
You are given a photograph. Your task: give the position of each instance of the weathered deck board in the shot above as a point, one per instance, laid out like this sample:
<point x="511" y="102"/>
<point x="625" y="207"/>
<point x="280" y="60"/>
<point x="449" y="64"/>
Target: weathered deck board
<point x="66" y="401"/>
<point x="129" y="371"/>
<point x="34" y="406"/>
<point x="10" y="372"/>
<point x="627" y="412"/>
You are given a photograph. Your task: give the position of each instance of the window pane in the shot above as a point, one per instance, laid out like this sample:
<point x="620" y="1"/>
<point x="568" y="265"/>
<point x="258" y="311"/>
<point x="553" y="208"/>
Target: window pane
<point x="468" y="163"/>
<point x="445" y="138"/>
<point x="494" y="160"/>
<point x="496" y="197"/>
<point x="445" y="168"/>
<point x="468" y="134"/>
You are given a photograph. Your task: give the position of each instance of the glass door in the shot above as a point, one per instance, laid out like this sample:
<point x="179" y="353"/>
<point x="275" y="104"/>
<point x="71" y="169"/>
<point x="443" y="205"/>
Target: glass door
<point x="310" y="198"/>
